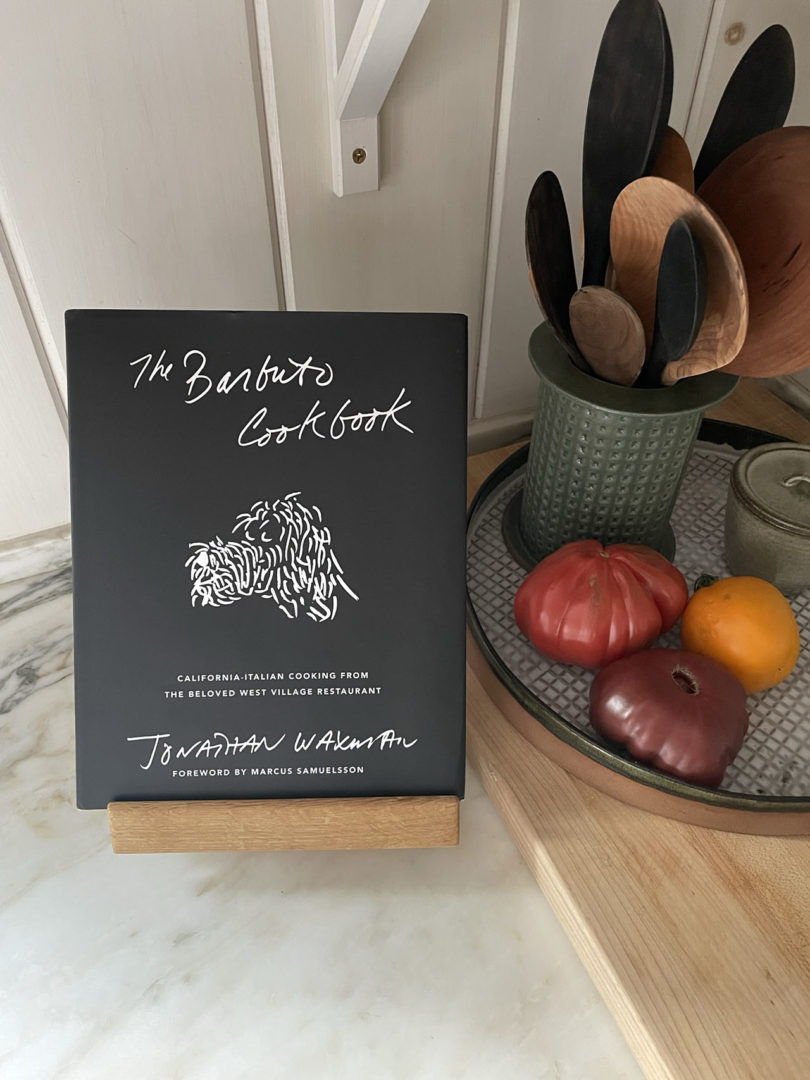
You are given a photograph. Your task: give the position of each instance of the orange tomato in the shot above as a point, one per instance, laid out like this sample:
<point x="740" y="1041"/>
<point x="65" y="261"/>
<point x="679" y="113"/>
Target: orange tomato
<point x="745" y="624"/>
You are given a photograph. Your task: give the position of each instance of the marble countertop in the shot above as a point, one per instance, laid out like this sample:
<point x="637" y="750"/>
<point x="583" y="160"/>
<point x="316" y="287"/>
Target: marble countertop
<point x="408" y="964"/>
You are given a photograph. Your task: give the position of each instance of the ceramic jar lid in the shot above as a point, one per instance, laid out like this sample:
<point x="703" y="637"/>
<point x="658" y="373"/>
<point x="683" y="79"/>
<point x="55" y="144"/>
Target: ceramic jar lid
<point x="773" y="482"/>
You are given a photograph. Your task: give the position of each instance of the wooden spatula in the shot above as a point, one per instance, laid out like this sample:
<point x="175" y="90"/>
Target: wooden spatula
<point x="609" y="334"/>
<point x="756" y="99"/>
<point x="680" y="302"/>
<point x="762" y="194"/>
<point x="628" y="110"/>
<point x="550" y="258"/>
<point x="674" y="162"/>
<point x="641" y="219"/>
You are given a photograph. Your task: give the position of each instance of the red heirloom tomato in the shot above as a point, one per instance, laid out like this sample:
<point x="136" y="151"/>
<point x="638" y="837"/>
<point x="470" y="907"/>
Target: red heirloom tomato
<point x="679" y="711"/>
<point x="588" y="604"/>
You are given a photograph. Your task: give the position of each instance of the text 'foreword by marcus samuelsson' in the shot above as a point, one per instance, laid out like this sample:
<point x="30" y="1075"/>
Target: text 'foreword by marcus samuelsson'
<point x="160" y="750"/>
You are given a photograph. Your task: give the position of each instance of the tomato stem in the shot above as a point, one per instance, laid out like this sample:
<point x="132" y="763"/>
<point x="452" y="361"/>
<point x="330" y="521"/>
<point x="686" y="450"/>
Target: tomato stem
<point x="686" y="681"/>
<point x="703" y="581"/>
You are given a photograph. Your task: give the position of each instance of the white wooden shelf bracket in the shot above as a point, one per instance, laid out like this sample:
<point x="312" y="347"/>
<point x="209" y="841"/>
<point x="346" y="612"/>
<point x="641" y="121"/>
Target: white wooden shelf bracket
<point x="366" y="42"/>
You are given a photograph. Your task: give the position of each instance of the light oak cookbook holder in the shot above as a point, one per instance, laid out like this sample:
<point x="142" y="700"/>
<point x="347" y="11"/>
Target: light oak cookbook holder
<point x="301" y="824"/>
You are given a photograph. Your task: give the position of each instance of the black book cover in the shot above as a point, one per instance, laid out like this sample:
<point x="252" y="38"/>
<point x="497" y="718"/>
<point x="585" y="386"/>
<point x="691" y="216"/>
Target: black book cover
<point x="268" y="541"/>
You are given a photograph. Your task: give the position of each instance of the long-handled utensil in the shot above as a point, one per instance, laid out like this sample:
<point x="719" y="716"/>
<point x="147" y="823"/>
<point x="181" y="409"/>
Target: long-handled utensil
<point x="674" y="162"/>
<point x="762" y="195"/>
<point x="609" y="334"/>
<point x="550" y="258"/>
<point x="628" y="110"/>
<point x="680" y="302"/>
<point x="641" y="219"/>
<point x="756" y="99"/>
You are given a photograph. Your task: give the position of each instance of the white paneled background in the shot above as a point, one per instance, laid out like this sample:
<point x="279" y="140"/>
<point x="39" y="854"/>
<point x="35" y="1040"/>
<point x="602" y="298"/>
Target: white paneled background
<point x="175" y="153"/>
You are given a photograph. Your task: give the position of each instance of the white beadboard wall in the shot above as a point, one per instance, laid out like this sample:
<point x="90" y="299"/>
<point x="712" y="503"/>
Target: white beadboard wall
<point x="417" y="244"/>
<point x="131" y="175"/>
<point x="158" y="154"/>
<point x="33" y="458"/>
<point x="176" y="154"/>
<point x="131" y="159"/>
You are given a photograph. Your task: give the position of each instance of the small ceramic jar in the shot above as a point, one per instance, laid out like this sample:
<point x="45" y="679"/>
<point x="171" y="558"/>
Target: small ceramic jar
<point x="767" y="531"/>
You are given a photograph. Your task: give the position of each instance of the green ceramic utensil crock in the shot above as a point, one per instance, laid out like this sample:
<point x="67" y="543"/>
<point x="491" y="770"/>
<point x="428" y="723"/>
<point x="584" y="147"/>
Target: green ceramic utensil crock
<point x="607" y="461"/>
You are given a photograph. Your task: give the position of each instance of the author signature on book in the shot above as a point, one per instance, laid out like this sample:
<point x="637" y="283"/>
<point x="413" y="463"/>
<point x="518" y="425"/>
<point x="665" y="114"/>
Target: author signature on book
<point x="159" y="749"/>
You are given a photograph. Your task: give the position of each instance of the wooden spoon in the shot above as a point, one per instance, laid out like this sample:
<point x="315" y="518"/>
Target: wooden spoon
<point x="756" y="99"/>
<point x="762" y="194"/>
<point x="641" y="219"/>
<point x="628" y="109"/>
<point x="674" y="162"/>
<point x="680" y="302"/>
<point x="550" y="258"/>
<point x="609" y="334"/>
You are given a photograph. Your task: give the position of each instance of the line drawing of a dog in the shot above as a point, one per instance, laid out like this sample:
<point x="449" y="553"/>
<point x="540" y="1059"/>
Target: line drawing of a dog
<point x="283" y="553"/>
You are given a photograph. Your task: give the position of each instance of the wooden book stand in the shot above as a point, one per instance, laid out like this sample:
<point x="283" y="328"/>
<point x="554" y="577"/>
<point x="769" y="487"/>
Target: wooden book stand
<point x="284" y="824"/>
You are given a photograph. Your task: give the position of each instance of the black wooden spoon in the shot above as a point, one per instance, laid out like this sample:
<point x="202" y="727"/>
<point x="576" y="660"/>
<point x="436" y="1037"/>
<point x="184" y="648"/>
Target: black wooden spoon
<point x="551" y="260"/>
<point x="628" y="112"/>
<point x="679" y="304"/>
<point x="757" y="99"/>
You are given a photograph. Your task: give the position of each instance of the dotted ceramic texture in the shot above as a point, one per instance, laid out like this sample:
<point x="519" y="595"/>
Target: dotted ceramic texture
<point x="775" y="757"/>
<point x="593" y="472"/>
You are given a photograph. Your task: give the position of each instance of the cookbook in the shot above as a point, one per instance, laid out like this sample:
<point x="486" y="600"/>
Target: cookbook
<point x="268" y="520"/>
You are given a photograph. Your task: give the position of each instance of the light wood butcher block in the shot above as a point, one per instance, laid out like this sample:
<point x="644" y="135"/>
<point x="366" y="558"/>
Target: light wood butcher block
<point x="698" y="940"/>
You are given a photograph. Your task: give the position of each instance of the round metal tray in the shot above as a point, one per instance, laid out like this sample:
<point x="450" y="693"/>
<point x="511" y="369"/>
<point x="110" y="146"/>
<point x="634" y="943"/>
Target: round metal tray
<point x="767" y="788"/>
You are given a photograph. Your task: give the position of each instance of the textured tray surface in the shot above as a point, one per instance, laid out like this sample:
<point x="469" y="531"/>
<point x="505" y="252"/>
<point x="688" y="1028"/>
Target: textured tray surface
<point x="775" y="758"/>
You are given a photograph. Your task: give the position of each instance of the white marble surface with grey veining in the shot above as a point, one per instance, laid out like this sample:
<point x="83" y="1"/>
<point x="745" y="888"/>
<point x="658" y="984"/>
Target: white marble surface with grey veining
<point x="403" y="964"/>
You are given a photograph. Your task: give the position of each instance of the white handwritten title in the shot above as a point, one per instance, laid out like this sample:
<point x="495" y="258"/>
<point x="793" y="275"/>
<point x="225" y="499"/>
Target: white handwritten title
<point x="263" y="428"/>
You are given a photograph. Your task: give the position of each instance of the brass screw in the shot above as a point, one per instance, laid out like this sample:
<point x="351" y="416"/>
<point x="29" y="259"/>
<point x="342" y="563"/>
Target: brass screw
<point x="358" y="155"/>
<point x="734" y="33"/>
